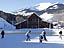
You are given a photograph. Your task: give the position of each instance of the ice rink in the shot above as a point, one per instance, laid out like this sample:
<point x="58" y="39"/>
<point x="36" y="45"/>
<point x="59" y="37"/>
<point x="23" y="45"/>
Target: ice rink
<point x="18" y="41"/>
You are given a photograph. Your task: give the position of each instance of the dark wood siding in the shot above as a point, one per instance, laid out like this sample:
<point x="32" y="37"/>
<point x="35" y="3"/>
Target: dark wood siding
<point x="33" y="22"/>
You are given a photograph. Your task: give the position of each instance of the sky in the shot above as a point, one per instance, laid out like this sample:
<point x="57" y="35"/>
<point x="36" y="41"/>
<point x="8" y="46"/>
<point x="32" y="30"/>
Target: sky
<point x="13" y="5"/>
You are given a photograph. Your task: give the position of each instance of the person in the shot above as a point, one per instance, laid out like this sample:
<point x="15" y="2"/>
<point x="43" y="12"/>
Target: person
<point x="28" y="36"/>
<point x="44" y="35"/>
<point x="41" y="37"/>
<point x="60" y="34"/>
<point x="2" y="33"/>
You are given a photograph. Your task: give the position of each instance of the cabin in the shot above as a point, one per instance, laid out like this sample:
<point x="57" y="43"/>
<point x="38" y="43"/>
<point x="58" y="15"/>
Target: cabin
<point x="32" y="21"/>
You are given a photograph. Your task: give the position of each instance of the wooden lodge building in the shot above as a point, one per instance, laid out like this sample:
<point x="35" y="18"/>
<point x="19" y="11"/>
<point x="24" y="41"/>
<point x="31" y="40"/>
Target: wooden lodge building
<point x="33" y="21"/>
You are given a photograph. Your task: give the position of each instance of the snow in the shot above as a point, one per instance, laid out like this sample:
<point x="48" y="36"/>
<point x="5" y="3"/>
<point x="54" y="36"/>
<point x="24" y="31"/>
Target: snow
<point x="5" y="25"/>
<point x="24" y="13"/>
<point x="21" y="13"/>
<point x="56" y="3"/>
<point x="42" y="6"/>
<point x="54" y="7"/>
<point x="20" y="22"/>
<point x="34" y="31"/>
<point x="51" y="39"/>
<point x="46" y="16"/>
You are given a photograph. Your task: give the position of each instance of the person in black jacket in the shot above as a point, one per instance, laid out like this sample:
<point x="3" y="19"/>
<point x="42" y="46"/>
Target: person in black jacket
<point x="44" y="35"/>
<point x="60" y="34"/>
<point x="2" y="33"/>
<point x="28" y="36"/>
<point x="41" y="37"/>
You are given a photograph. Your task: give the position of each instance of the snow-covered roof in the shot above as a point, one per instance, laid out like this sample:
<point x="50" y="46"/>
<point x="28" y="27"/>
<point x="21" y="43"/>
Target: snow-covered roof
<point x="20" y="22"/>
<point x="46" y="16"/>
<point x="55" y="22"/>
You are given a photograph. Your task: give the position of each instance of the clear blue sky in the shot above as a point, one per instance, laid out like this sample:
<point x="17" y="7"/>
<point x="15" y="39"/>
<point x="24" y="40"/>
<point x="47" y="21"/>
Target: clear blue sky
<point x="12" y="5"/>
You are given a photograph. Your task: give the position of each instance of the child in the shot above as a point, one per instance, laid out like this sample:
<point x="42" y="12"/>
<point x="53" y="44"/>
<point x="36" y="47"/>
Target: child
<point x="28" y="36"/>
<point x="2" y="33"/>
<point x="60" y="34"/>
<point x="41" y="37"/>
<point x="44" y="35"/>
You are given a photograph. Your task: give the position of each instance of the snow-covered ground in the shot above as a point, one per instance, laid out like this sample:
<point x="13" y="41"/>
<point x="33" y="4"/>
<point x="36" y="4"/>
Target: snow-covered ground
<point x="34" y="31"/>
<point x="18" y="41"/>
<point x="51" y="39"/>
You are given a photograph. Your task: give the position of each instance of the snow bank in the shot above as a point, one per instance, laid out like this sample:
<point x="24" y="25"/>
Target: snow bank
<point x="5" y="25"/>
<point x="36" y="31"/>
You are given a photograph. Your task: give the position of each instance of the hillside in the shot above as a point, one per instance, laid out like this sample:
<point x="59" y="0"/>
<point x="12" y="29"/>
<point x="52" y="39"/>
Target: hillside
<point x="54" y="11"/>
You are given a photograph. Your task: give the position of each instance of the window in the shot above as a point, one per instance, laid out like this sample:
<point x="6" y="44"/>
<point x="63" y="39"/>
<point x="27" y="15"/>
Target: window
<point x="32" y="26"/>
<point x="34" y="20"/>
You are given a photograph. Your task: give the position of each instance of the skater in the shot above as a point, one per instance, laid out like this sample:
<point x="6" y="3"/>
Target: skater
<point x="60" y="34"/>
<point x="44" y="35"/>
<point x="41" y="37"/>
<point x="2" y="33"/>
<point x="28" y="36"/>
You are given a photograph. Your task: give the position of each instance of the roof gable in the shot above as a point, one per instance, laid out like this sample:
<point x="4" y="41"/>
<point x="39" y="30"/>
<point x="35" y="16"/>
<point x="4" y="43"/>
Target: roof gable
<point x="34" y="14"/>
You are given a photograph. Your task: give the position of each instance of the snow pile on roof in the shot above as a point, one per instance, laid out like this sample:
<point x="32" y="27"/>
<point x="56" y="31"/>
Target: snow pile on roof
<point x="5" y="25"/>
<point x="46" y="16"/>
<point x="26" y="14"/>
<point x="20" y="22"/>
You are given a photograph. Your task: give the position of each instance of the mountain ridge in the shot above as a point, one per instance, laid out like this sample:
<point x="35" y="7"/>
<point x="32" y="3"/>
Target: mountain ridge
<point x="49" y="8"/>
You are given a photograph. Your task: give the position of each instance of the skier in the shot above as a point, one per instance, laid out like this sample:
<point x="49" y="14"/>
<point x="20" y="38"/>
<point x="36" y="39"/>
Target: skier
<point x="2" y="33"/>
<point x="28" y="36"/>
<point x="41" y="37"/>
<point x="44" y="35"/>
<point x="60" y="34"/>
